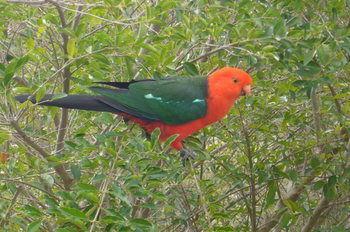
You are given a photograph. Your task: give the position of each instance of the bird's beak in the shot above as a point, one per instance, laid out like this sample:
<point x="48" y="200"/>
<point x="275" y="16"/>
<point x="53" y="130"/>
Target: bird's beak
<point x="246" y="90"/>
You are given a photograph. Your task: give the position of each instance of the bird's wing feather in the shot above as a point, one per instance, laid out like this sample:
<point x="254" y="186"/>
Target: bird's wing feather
<point x="121" y="85"/>
<point x="172" y="101"/>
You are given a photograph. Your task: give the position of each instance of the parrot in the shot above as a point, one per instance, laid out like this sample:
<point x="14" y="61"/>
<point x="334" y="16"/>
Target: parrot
<point x="176" y="105"/>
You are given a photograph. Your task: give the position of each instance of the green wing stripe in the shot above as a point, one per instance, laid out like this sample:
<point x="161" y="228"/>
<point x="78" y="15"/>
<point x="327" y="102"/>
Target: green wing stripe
<point x="173" y="101"/>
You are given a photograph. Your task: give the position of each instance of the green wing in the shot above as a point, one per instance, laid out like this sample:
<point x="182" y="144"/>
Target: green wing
<point x="173" y="100"/>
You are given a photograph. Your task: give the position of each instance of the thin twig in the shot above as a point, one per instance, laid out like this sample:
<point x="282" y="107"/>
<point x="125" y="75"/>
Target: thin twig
<point x="32" y="186"/>
<point x="203" y="200"/>
<point x="34" y="3"/>
<point x="13" y="202"/>
<point x="77" y="17"/>
<point x="104" y="188"/>
<point x="103" y="19"/>
<point x="249" y="155"/>
<point x="96" y="30"/>
<point x="336" y="101"/>
<point x="205" y="55"/>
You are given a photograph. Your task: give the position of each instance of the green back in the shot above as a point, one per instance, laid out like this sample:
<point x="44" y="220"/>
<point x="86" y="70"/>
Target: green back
<point x="173" y="100"/>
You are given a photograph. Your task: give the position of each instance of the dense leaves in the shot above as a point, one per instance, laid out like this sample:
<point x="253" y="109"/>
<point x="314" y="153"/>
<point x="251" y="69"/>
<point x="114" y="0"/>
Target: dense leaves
<point x="279" y="160"/>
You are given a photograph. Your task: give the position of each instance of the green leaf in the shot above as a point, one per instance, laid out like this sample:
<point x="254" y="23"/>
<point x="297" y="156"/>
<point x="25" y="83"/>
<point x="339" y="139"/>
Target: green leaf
<point x="270" y="196"/>
<point x="223" y="229"/>
<point x="13" y="67"/>
<point x="169" y="141"/>
<point x="285" y="220"/>
<point x="155" y="137"/>
<point x="308" y="56"/>
<point x="59" y="95"/>
<point x="291" y="205"/>
<point x="139" y="223"/>
<point x="2" y="69"/>
<point x="71" y="47"/>
<point x="86" y="187"/>
<point x="323" y="54"/>
<point x="329" y="189"/>
<point x="191" y="69"/>
<point x="32" y="211"/>
<point x="150" y="48"/>
<point x="48" y="179"/>
<point x="76" y="172"/>
<point x="309" y="70"/>
<point x="30" y="43"/>
<point x="40" y="94"/>
<point x="119" y="193"/>
<point x="279" y="28"/>
<point x="34" y="226"/>
<point x="74" y="212"/>
<point x="4" y="135"/>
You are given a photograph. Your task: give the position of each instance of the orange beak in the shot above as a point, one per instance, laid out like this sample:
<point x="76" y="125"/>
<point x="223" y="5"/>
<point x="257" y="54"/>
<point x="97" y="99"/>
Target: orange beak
<point x="246" y="90"/>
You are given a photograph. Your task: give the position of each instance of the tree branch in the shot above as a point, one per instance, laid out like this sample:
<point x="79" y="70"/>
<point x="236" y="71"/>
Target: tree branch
<point x="34" y="3"/>
<point x="249" y="155"/>
<point x="104" y="187"/>
<point x="313" y="220"/>
<point x="13" y="202"/>
<point x="336" y="101"/>
<point x="77" y="17"/>
<point x="205" y="55"/>
<point x="61" y="172"/>
<point x="293" y="195"/>
<point x="66" y="74"/>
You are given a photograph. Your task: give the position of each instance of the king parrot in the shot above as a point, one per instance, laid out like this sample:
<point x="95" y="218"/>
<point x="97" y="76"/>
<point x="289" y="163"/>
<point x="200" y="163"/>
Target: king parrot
<point x="175" y="105"/>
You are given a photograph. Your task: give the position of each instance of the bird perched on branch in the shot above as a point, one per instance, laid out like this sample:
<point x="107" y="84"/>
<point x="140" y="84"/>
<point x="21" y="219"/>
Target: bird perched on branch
<point x="175" y="105"/>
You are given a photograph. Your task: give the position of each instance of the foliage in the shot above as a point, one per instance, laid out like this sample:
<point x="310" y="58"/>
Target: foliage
<point x="279" y="160"/>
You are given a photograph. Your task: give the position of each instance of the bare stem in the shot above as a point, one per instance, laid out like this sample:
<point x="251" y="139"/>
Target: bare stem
<point x="249" y="155"/>
<point x="316" y="215"/>
<point x="13" y="202"/>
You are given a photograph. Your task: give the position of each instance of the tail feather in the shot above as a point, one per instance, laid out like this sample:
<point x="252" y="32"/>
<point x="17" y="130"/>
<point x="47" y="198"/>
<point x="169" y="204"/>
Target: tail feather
<point x="81" y="102"/>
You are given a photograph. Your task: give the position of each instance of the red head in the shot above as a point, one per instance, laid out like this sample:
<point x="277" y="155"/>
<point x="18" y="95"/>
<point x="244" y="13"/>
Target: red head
<point x="231" y="82"/>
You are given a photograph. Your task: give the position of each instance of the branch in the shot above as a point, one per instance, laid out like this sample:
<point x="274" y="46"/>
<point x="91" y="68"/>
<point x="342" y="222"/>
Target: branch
<point x="104" y="187"/>
<point x="313" y="220"/>
<point x="249" y="155"/>
<point x="13" y="202"/>
<point x="60" y="12"/>
<point x="77" y="17"/>
<point x="34" y="3"/>
<point x="96" y="30"/>
<point x="202" y="199"/>
<point x="32" y="186"/>
<point x="61" y="172"/>
<point x="28" y="140"/>
<point x="293" y="195"/>
<point x="315" y="102"/>
<point x="205" y="55"/>
<point x="62" y="129"/>
<point x="336" y="101"/>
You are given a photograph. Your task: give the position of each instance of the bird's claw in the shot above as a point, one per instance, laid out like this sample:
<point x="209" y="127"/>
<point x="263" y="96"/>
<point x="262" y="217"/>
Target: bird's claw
<point x="187" y="154"/>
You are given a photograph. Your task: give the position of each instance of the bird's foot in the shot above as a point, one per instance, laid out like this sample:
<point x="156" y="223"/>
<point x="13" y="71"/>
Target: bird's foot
<point x="187" y="154"/>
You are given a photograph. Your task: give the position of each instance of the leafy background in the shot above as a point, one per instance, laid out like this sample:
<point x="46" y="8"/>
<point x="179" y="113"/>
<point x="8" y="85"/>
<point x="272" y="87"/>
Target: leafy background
<point x="279" y="161"/>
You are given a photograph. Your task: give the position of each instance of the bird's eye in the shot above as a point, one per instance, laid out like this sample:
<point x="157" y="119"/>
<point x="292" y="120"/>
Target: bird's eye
<point x="235" y="80"/>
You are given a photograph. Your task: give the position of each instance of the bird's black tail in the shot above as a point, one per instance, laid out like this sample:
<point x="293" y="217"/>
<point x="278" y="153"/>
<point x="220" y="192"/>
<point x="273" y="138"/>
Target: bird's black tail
<point x="81" y="102"/>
